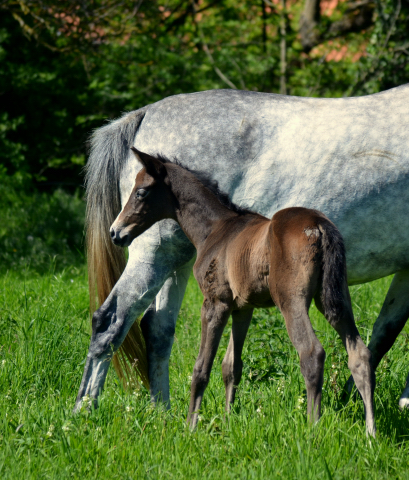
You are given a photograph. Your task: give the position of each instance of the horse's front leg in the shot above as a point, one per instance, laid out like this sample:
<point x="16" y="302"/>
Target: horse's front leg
<point x="152" y="259"/>
<point x="214" y="319"/>
<point x="232" y="365"/>
<point x="158" y="327"/>
<point x="111" y="322"/>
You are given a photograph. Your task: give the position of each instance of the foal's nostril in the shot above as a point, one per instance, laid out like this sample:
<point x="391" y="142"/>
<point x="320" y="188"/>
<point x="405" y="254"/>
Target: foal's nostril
<point x="112" y="231"/>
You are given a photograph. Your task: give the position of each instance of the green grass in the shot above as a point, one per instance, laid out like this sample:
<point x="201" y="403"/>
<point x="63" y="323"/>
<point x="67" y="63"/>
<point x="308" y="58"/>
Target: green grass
<point x="44" y="335"/>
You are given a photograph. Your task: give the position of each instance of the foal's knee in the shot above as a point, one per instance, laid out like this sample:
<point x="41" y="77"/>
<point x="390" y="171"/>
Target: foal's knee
<point x="231" y="370"/>
<point x="200" y="378"/>
<point x="360" y="362"/>
<point x="312" y="366"/>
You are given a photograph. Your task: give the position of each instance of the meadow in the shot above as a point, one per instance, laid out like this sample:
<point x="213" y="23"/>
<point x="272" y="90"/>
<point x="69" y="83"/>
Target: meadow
<point x="44" y="335"/>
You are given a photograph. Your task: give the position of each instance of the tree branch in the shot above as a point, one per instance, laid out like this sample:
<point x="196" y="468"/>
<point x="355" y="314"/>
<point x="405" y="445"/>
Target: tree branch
<point x="357" y="16"/>
<point x="207" y="51"/>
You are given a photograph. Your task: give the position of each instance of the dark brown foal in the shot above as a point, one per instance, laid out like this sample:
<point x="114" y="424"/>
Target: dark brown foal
<point x="245" y="261"/>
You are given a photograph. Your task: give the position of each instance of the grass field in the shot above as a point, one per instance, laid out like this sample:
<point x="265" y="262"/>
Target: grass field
<point x="44" y="335"/>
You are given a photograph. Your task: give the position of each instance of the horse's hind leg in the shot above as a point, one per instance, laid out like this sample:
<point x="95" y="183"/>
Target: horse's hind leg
<point x="310" y="351"/>
<point x="359" y="357"/>
<point x="390" y="322"/>
<point x="404" y="399"/>
<point x="232" y="365"/>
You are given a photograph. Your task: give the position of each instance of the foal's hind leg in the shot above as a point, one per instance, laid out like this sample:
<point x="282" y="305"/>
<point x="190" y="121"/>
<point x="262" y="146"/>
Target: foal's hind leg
<point x="232" y="365"/>
<point x="310" y="351"/>
<point x="359" y="357"/>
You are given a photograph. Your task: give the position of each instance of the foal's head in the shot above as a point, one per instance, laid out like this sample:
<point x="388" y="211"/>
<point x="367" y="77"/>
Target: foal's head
<point x="151" y="200"/>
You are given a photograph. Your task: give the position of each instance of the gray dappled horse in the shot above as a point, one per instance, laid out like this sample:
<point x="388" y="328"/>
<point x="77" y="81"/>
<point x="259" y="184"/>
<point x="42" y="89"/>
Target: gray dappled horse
<point x="348" y="157"/>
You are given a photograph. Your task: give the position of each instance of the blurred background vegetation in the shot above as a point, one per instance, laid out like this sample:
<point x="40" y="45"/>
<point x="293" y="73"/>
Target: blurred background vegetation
<point x="66" y="67"/>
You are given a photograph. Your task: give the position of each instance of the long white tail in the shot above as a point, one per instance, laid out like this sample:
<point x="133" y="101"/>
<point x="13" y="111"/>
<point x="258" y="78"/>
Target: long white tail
<point x="106" y="262"/>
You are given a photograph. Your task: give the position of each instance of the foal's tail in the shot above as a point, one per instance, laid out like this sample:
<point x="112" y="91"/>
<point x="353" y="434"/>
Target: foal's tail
<point x="106" y="262"/>
<point x="334" y="270"/>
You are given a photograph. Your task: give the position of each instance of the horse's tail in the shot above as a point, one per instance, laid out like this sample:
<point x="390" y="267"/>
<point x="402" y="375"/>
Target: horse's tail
<point x="334" y="277"/>
<point x="106" y="262"/>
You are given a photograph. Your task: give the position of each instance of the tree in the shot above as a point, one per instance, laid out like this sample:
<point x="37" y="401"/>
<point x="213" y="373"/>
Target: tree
<point x="65" y="67"/>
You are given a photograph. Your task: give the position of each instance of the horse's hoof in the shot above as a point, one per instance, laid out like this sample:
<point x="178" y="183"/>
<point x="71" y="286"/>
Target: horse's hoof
<point x="403" y="403"/>
<point x="85" y="404"/>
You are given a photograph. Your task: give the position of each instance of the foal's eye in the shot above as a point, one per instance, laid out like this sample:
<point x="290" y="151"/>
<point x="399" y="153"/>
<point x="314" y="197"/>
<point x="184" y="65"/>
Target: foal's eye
<point x="141" y="193"/>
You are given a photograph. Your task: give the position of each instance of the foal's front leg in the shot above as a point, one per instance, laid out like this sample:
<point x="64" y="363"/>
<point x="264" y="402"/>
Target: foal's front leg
<point x="214" y="319"/>
<point x="232" y="365"/>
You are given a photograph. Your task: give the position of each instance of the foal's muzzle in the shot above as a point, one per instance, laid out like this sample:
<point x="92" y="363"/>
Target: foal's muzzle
<point x="118" y="239"/>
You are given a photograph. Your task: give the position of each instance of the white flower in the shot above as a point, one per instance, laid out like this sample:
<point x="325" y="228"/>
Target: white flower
<point x="301" y="400"/>
<point x="50" y="431"/>
<point x="129" y="409"/>
<point x="3" y="362"/>
<point x="66" y="427"/>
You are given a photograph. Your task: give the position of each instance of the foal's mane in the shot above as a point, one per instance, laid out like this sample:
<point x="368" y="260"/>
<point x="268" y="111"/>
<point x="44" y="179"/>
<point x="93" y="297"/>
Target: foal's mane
<point x="211" y="185"/>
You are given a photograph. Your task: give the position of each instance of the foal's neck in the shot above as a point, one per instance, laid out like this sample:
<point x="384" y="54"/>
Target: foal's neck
<point x="198" y="208"/>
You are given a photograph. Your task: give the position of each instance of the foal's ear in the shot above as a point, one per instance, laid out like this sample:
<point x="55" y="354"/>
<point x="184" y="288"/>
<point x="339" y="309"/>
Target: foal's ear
<point x="154" y="166"/>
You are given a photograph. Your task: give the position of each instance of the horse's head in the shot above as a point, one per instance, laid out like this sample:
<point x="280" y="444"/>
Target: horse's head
<point x="151" y="200"/>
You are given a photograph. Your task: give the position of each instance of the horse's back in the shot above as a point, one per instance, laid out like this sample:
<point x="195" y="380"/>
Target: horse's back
<point x="347" y="157"/>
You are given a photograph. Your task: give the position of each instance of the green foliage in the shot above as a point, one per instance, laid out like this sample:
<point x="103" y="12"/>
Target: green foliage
<point x="44" y="336"/>
<point x="64" y="67"/>
<point x="36" y="227"/>
<point x="386" y="63"/>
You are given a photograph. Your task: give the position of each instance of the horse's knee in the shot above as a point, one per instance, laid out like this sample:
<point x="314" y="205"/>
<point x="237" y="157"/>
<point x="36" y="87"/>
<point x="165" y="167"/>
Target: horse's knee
<point x="158" y="338"/>
<point x="312" y="365"/>
<point x="100" y="321"/>
<point x="107" y="333"/>
<point x="159" y="344"/>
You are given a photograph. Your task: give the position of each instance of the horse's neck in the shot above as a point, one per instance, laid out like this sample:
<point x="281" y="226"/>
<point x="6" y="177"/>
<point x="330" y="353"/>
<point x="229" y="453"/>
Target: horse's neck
<point x="199" y="209"/>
